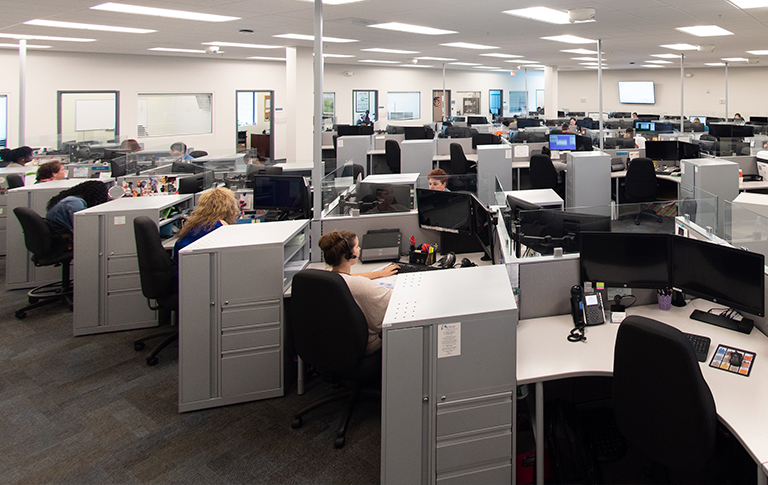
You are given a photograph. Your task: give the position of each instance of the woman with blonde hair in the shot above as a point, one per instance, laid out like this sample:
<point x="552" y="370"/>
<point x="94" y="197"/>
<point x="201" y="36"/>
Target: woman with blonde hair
<point x="216" y="208"/>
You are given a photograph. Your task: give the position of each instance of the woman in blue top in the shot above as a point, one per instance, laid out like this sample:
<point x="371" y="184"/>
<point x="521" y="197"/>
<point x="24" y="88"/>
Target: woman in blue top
<point x="216" y="207"/>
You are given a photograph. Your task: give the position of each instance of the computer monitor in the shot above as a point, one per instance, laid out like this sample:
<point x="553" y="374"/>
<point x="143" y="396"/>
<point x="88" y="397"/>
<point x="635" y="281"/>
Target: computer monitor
<point x="415" y="133"/>
<point x="458" y="132"/>
<point x="445" y="211"/>
<point x="731" y="130"/>
<point x="286" y="193"/>
<point x="702" y="119"/>
<point x="545" y="230"/>
<point x="687" y="150"/>
<point x="629" y="260"/>
<point x="661" y="150"/>
<point x="617" y="143"/>
<point x="527" y="122"/>
<point x="758" y="119"/>
<point x="664" y="127"/>
<point x="644" y="126"/>
<point x="377" y="198"/>
<point x="483" y="227"/>
<point x="562" y="142"/>
<point x="476" y="120"/>
<point x="185" y="167"/>
<point x="721" y="274"/>
<point x="121" y="166"/>
<point x="485" y="139"/>
<point x="254" y="168"/>
<point x="648" y="117"/>
<point x="112" y="153"/>
<point x="583" y="143"/>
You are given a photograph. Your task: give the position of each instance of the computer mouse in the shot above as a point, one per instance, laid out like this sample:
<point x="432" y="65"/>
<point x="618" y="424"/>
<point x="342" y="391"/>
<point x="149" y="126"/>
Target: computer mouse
<point x="736" y="359"/>
<point x="466" y="263"/>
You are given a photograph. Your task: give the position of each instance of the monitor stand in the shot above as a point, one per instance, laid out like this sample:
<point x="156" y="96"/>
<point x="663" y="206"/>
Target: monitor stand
<point x="744" y="325"/>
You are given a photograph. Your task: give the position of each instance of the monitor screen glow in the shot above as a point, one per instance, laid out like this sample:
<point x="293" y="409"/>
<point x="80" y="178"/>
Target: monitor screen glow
<point x="562" y="142"/>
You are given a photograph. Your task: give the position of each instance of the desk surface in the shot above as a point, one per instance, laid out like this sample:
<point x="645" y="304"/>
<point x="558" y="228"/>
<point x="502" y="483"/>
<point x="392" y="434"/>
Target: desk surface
<point x="472" y="157"/>
<point x="544" y="354"/>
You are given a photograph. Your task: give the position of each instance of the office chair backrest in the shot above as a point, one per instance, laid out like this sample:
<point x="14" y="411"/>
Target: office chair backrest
<point x="542" y="172"/>
<point x="392" y="154"/>
<point x="352" y="170"/>
<point x="39" y="238"/>
<point x="14" y="180"/>
<point x="707" y="137"/>
<point x="640" y="185"/>
<point x="156" y="269"/>
<point x="459" y="163"/>
<point x="662" y="404"/>
<point x="329" y="329"/>
<point x="198" y="153"/>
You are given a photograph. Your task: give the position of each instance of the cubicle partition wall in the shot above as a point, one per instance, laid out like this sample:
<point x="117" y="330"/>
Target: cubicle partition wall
<point x="416" y="156"/>
<point x="353" y="149"/>
<point x="4" y="211"/>
<point x="493" y="162"/>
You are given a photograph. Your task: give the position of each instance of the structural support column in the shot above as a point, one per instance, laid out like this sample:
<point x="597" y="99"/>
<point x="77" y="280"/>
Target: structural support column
<point x="299" y="105"/>
<point x="551" y="102"/>
<point x="682" y="92"/>
<point x="600" y="89"/>
<point x="726" y="90"/>
<point x="22" y="91"/>
<point x="318" y="168"/>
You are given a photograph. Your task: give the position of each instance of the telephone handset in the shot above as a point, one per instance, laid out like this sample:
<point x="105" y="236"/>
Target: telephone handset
<point x="586" y="309"/>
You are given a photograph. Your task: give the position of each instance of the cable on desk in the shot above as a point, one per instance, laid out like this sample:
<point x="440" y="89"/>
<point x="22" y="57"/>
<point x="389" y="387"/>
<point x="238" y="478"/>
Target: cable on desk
<point x="578" y="334"/>
<point x="628" y="296"/>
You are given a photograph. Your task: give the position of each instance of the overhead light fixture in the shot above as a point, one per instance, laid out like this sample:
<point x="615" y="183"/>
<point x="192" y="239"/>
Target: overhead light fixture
<point x="680" y="47"/>
<point x="486" y="67"/>
<point x="758" y="53"/>
<point x="379" y="61"/>
<point x="16" y="46"/>
<point x="336" y="2"/>
<point x="334" y="40"/>
<point x="502" y="70"/>
<point x="44" y="37"/>
<point x="659" y="62"/>
<point x="545" y="14"/>
<point x="262" y="58"/>
<point x="704" y="30"/>
<point x="522" y="61"/>
<point x="468" y="45"/>
<point x="579" y="51"/>
<point x="465" y="63"/>
<point x="589" y="63"/>
<point x="428" y="58"/>
<point x="499" y="55"/>
<point x="714" y="63"/>
<point x="569" y="39"/>
<point x="666" y="56"/>
<point x="163" y="12"/>
<point x="337" y="55"/>
<point x="651" y="65"/>
<point x="415" y="65"/>
<point x="595" y="67"/>
<point x="412" y="29"/>
<point x="247" y="46"/>
<point x="172" y="49"/>
<point x="594" y="59"/>
<point x="734" y="59"/>
<point x="74" y="25"/>
<point x="389" y="51"/>
<point x="746" y="4"/>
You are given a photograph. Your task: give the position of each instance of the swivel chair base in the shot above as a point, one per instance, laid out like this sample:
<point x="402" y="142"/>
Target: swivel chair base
<point x="50" y="293"/>
<point x="170" y="337"/>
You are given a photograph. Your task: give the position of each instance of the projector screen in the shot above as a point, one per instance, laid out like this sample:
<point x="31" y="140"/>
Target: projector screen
<point x="637" y="92"/>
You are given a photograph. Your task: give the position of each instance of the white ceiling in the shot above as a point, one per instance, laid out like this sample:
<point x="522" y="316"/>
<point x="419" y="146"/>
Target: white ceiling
<point x="631" y="30"/>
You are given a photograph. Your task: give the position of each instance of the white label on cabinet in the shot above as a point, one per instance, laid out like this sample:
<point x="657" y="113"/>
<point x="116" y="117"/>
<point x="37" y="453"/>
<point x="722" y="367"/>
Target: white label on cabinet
<point x="522" y="151"/>
<point x="340" y="143"/>
<point x="119" y="220"/>
<point x="508" y="153"/>
<point x="448" y="340"/>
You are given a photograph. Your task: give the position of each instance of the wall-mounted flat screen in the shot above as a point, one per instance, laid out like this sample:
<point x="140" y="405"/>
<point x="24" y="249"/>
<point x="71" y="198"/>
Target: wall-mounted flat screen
<point x="637" y="92"/>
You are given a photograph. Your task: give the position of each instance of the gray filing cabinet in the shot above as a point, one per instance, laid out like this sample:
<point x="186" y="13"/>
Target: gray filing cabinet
<point x="232" y="325"/>
<point x="107" y="289"/>
<point x="588" y="181"/>
<point x="20" y="271"/>
<point x="4" y="201"/>
<point x="703" y="178"/>
<point x="448" y="380"/>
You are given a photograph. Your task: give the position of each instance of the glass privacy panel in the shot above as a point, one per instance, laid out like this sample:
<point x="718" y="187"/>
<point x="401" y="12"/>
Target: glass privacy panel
<point x="174" y="114"/>
<point x="88" y="116"/>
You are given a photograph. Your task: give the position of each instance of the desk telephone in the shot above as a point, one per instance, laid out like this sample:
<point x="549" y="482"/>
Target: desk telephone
<point x="586" y="308"/>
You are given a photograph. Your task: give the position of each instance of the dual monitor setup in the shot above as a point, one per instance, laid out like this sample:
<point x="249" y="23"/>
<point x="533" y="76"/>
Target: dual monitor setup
<point x="569" y="142"/>
<point x="671" y="150"/>
<point x="733" y="278"/>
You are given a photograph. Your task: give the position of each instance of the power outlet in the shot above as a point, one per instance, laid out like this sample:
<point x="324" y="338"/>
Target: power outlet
<point x="583" y="100"/>
<point x="722" y="100"/>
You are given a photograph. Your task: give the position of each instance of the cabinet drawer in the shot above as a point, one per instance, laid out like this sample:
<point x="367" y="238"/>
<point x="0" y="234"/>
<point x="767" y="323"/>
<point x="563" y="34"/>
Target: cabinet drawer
<point x="123" y="282"/>
<point x="250" y="339"/>
<point x="3" y="218"/>
<point x="473" y="450"/>
<point x="498" y="474"/>
<point x="129" y="264"/>
<point x="252" y="372"/>
<point x="474" y="414"/>
<point x="128" y="307"/>
<point x="251" y="315"/>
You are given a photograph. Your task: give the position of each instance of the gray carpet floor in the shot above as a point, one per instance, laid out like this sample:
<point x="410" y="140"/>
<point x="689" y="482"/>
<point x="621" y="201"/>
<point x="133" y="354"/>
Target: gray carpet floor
<point x="89" y="410"/>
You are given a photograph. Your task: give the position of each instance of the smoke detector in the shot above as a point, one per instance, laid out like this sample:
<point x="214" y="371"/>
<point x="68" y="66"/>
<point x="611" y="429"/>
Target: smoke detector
<point x="581" y="15"/>
<point x="212" y="49"/>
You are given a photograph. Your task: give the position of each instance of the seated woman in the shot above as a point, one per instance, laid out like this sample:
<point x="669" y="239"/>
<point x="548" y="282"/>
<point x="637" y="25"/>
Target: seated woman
<point x="341" y="251"/>
<point x="62" y="207"/>
<point x="50" y="171"/>
<point x="438" y="180"/>
<point x="216" y="207"/>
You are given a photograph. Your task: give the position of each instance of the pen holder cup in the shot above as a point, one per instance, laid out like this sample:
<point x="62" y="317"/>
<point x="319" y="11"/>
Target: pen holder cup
<point x="421" y="257"/>
<point x="665" y="302"/>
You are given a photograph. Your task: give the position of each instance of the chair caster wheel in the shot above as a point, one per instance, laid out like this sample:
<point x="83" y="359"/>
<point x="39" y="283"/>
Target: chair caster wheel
<point x="21" y="315"/>
<point x="32" y="300"/>
<point x="296" y="423"/>
<point x="339" y="442"/>
<point x="152" y="361"/>
<point x="637" y="223"/>
<point x="137" y="346"/>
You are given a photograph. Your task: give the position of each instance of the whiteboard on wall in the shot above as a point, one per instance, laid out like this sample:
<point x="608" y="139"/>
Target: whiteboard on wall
<point x="94" y="114"/>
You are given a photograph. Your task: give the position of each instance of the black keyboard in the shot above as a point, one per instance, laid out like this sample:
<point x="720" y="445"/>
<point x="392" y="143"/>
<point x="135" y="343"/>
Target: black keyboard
<point x="700" y="345"/>
<point x="414" y="268"/>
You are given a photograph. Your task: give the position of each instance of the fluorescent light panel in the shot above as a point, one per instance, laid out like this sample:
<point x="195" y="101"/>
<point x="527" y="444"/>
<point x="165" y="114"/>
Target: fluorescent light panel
<point x="247" y="46"/>
<point x="465" y="63"/>
<point x="44" y="37"/>
<point x="486" y="67"/>
<point x="704" y="30"/>
<point x="758" y="53"/>
<point x="658" y="62"/>
<point x="334" y="40"/>
<point x="389" y="51"/>
<point x="379" y="61"/>
<point x="680" y="47"/>
<point x="523" y="61"/>
<point x="745" y="4"/>
<point x="172" y="49"/>
<point x="428" y="58"/>
<point x="415" y="65"/>
<point x="412" y="29"/>
<point x="734" y="59"/>
<point x="16" y="46"/>
<point x="499" y="55"/>
<point x="74" y="25"/>
<point x="338" y="55"/>
<point x="263" y="58"/>
<point x="651" y="65"/>
<point x="714" y="63"/>
<point x="543" y="14"/>
<point x="666" y="56"/>
<point x="594" y="59"/>
<point x="467" y="45"/>
<point x="569" y="39"/>
<point x="163" y="12"/>
<point x="579" y="51"/>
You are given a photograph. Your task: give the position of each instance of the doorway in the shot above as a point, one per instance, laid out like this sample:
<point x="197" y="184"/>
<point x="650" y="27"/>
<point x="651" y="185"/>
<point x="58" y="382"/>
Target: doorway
<point x="438" y="103"/>
<point x="363" y="101"/>
<point x="88" y="116"/>
<point x="255" y="123"/>
<point x="496" y="102"/>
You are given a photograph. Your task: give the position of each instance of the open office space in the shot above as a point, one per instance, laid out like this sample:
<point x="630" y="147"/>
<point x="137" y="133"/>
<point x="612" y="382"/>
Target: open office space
<point x="86" y="409"/>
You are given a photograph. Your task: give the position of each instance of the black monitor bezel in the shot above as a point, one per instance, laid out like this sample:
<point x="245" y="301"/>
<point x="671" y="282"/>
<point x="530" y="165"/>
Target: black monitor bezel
<point x="303" y="205"/>
<point x="619" y="239"/>
<point x="463" y="197"/>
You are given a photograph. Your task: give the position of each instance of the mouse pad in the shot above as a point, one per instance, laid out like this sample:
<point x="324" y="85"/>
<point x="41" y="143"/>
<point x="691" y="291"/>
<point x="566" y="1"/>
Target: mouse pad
<point x="722" y="360"/>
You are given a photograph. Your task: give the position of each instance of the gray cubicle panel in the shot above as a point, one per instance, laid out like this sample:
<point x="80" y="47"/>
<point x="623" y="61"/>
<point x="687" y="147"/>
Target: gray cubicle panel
<point x="493" y="161"/>
<point x="444" y="145"/>
<point x="353" y="148"/>
<point x="625" y="153"/>
<point x="747" y="164"/>
<point x="448" y="378"/>
<point x="379" y="141"/>
<point x="416" y="156"/>
<point x="701" y="178"/>
<point x="4" y="200"/>
<point x="20" y="271"/>
<point x="407" y="222"/>
<point x="588" y="181"/>
<point x="107" y="293"/>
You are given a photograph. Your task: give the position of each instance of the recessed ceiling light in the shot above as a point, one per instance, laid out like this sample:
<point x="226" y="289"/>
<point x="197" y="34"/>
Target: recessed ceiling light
<point x="595" y="67"/>
<point x="659" y="62"/>
<point x="589" y="64"/>
<point x="16" y="46"/>
<point x="680" y="47"/>
<point x="379" y="61"/>
<point x="538" y="66"/>
<point x="667" y="56"/>
<point x="502" y="56"/>
<point x="543" y="14"/>
<point x="734" y="59"/>
<point x="338" y="55"/>
<point x="171" y="49"/>
<point x="502" y="70"/>
<point x="714" y="63"/>
<point x="579" y="51"/>
<point x="465" y="63"/>
<point x="247" y="46"/>
<point x="704" y="30"/>
<point x="415" y="65"/>
<point x="163" y="12"/>
<point x="389" y="51"/>
<point x="262" y="58"/>
<point x="412" y="29"/>
<point x="427" y="58"/>
<point x="521" y="61"/>
<point x="335" y="2"/>
<point x="486" y="67"/>
<point x="44" y="37"/>
<point x="651" y="65"/>
<point x="594" y="59"/>
<point x="467" y="45"/>
<point x="335" y="40"/>
<point x="758" y="53"/>
<point x="74" y="25"/>
<point x="569" y="39"/>
<point x="750" y="3"/>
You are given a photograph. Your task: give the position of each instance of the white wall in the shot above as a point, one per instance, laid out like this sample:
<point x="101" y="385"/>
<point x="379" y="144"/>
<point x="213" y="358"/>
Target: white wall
<point x="703" y="91"/>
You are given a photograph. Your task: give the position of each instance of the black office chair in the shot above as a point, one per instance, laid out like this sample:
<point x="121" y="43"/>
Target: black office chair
<point x="50" y="245"/>
<point x="640" y="186"/>
<point x="352" y="170"/>
<point x="464" y="172"/>
<point x="158" y="274"/>
<point x="14" y="180"/>
<point x="331" y="334"/>
<point x="542" y="172"/>
<point x="662" y="404"/>
<point x="198" y="153"/>
<point x="392" y="154"/>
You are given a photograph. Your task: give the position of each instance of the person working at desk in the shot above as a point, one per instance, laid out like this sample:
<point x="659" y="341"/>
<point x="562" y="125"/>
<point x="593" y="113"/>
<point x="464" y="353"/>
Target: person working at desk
<point x="365" y="119"/>
<point x="62" y="207"/>
<point x="737" y="117"/>
<point x="179" y="149"/>
<point x="216" y="208"/>
<point x="50" y="171"/>
<point x="341" y="251"/>
<point x="132" y="145"/>
<point x="572" y="127"/>
<point x="559" y="166"/>
<point x="18" y="157"/>
<point x="438" y="180"/>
